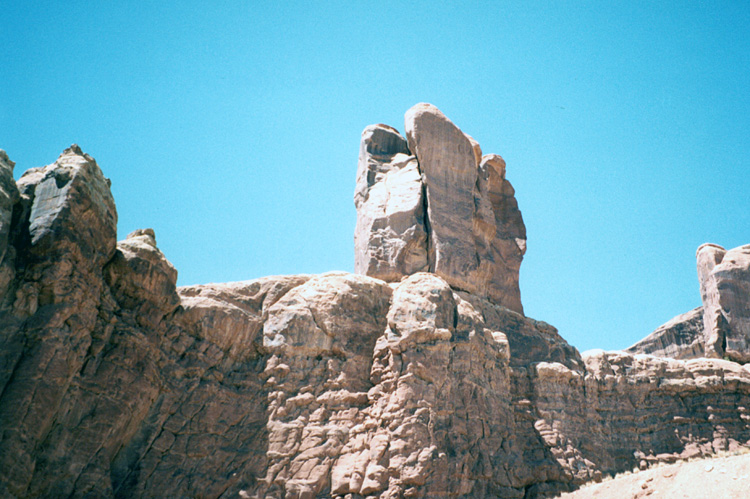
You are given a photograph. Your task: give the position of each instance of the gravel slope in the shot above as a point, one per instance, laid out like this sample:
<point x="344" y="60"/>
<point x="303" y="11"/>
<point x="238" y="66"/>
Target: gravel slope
<point x="725" y="477"/>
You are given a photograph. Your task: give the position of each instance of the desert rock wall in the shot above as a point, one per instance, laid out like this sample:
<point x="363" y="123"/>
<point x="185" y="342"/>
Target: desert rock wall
<point x="116" y="383"/>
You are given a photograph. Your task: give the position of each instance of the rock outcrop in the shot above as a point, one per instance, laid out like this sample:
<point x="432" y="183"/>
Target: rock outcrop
<point x="434" y="203"/>
<point x="116" y="383"/>
<point x="680" y="338"/>
<point x="721" y="327"/>
<point x="390" y="240"/>
<point x="725" y="290"/>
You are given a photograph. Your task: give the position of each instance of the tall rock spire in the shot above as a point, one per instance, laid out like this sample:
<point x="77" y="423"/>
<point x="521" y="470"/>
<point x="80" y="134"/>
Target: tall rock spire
<point x="434" y="203"/>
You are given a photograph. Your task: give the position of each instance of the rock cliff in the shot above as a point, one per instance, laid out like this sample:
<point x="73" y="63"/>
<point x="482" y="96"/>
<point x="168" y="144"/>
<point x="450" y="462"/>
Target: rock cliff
<point x="421" y="378"/>
<point x="432" y="202"/>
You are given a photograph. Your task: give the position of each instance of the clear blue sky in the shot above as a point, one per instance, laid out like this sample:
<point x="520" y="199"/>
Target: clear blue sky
<point x="232" y="129"/>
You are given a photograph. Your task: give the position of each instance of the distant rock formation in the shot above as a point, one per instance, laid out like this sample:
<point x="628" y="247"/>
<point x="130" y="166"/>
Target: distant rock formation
<point x="721" y="327"/>
<point x="434" y="203"/>
<point x="116" y="383"/>
<point x="680" y="338"/>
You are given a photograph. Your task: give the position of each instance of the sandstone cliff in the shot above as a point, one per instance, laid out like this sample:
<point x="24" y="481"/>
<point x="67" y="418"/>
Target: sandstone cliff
<point x="420" y="379"/>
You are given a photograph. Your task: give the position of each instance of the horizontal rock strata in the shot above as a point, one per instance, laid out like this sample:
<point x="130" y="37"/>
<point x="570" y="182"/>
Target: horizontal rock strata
<point x="115" y="383"/>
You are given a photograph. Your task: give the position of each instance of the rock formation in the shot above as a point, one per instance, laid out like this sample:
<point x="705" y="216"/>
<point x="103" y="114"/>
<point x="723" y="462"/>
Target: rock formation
<point x="721" y="327"/>
<point x="116" y="383"/>
<point x="434" y="203"/>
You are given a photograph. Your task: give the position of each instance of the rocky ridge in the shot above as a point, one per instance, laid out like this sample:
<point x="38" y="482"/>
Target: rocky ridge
<point x="410" y="381"/>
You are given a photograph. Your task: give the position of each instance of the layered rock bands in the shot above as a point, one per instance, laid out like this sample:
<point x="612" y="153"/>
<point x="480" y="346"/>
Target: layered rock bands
<point x="116" y="383"/>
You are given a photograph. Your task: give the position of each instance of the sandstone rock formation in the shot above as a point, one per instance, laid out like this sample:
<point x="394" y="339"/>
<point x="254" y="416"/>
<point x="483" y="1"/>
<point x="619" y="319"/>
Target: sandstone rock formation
<point x="680" y="338"/>
<point x="116" y="383"/>
<point x="437" y="205"/>
<point x="725" y="290"/>
<point x="721" y="327"/>
<point x="390" y="240"/>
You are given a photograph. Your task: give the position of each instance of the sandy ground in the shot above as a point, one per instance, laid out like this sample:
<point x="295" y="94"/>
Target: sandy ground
<point x="716" y="478"/>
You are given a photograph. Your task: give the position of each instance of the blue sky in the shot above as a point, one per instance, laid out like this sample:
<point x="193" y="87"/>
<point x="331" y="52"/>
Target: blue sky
<point x="232" y="129"/>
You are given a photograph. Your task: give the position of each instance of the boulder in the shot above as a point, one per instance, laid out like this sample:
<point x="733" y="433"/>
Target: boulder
<point x="70" y="201"/>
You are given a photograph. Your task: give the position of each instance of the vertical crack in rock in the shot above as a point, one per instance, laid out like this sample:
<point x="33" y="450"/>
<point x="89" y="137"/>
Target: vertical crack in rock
<point x="468" y="228"/>
<point x="426" y="221"/>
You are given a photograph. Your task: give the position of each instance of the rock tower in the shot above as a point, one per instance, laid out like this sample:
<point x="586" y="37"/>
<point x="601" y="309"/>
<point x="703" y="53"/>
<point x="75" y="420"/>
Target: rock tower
<point x="419" y="379"/>
<point x="433" y="203"/>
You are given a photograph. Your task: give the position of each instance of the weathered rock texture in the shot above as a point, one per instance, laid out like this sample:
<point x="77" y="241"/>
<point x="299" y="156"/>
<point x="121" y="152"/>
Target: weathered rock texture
<point x="721" y="327"/>
<point x="725" y="290"/>
<point x="390" y="240"/>
<point x="434" y="203"/>
<point x="680" y="338"/>
<point x="115" y="383"/>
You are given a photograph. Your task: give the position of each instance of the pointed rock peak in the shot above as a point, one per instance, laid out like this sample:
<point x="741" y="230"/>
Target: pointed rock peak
<point x="5" y="161"/>
<point x="496" y="162"/>
<point x="74" y="151"/>
<point x="450" y="212"/>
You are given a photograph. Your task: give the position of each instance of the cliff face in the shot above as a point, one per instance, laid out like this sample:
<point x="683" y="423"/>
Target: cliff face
<point x="115" y="383"/>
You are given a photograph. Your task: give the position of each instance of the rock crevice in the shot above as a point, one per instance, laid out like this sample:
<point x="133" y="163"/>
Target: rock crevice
<point x="444" y="208"/>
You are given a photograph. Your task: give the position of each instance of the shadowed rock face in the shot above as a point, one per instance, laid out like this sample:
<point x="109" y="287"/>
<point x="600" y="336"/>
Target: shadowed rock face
<point x="437" y="205"/>
<point x="115" y="383"/>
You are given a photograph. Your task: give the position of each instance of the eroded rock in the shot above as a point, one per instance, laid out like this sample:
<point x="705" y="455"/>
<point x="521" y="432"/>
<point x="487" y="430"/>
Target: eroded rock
<point x="447" y="209"/>
<point x="725" y="289"/>
<point x="114" y="383"/>
<point x="390" y="238"/>
<point x="680" y="338"/>
<point x="721" y="327"/>
<point x="142" y="279"/>
<point x="9" y="196"/>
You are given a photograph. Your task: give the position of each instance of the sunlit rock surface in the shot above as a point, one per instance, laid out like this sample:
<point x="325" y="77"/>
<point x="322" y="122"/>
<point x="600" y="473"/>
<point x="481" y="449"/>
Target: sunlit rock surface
<point x="115" y="383"/>
<point x="721" y="327"/>
<point x="437" y="205"/>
